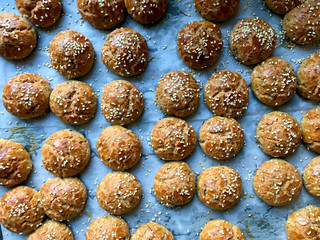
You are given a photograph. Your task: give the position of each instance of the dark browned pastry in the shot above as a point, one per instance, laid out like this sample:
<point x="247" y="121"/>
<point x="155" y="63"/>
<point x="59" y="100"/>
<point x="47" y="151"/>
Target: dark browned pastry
<point x="283" y="6"/>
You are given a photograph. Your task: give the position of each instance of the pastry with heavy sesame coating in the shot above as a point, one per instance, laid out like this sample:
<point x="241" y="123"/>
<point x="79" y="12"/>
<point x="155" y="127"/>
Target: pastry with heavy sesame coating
<point x="119" y="192"/>
<point x="52" y="230"/>
<point x="199" y="44"/>
<point x="173" y="139"/>
<point x="310" y="124"/>
<point x="20" y="210"/>
<point x="152" y="231"/>
<point x="219" y="187"/>
<point x="71" y="54"/>
<point x="26" y="95"/>
<point x="65" y="153"/>
<point x="277" y="182"/>
<point x="102" y="14"/>
<point x="273" y="81"/>
<point x="73" y="102"/>
<point x="221" y="138"/>
<point x="278" y="134"/>
<point x="125" y="52"/>
<point x="282" y="6"/>
<point x="174" y="184"/>
<point x="41" y="13"/>
<point x="63" y="199"/>
<point x="252" y="40"/>
<point x="17" y="37"/>
<point x="119" y="148"/>
<point x="15" y="163"/>
<point x="121" y="102"/>
<point x="108" y="227"/>
<point x="311" y="177"/>
<point x="226" y="94"/>
<point x="220" y="229"/>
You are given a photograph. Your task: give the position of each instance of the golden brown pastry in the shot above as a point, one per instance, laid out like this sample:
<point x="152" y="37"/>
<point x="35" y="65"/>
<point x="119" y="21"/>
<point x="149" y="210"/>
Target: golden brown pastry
<point x="152" y="231"/>
<point x="310" y="124"/>
<point x="311" y="177"/>
<point x="52" y="230"/>
<point x="282" y="6"/>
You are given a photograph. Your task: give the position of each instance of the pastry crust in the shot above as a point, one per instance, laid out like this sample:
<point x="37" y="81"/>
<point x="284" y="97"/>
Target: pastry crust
<point x="52" y="230"/>
<point x="152" y="230"/>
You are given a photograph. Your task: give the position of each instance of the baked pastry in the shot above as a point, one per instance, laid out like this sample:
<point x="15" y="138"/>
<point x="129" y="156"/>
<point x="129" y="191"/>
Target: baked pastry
<point x="217" y="10"/>
<point x="20" y="210"/>
<point x="219" y="187"/>
<point x="282" y="6"/>
<point x="173" y="139"/>
<point x="17" y="37"/>
<point x="311" y="177"/>
<point x="65" y="153"/>
<point x="146" y="11"/>
<point x="199" y="44"/>
<point x="26" y="95"/>
<point x="52" y="230"/>
<point x="152" y="230"/>
<point x="125" y="52"/>
<point x="121" y="102"/>
<point x="273" y="81"/>
<point x="221" y="138"/>
<point x="73" y="102"/>
<point x="41" y="13"/>
<point x="15" y="163"/>
<point x="174" y="184"/>
<point x="119" y="148"/>
<point x="302" y="24"/>
<point x="252" y="40"/>
<point x="108" y="227"/>
<point x="311" y="129"/>
<point x="71" y="54"/>
<point x="220" y="229"/>
<point x="119" y="192"/>
<point x="226" y="94"/>
<point x="309" y="77"/>
<point x="63" y="199"/>
<point x="277" y="182"/>
<point x="178" y="94"/>
<point x="102" y="14"/>
<point x="278" y="134"/>
<point x="304" y="224"/>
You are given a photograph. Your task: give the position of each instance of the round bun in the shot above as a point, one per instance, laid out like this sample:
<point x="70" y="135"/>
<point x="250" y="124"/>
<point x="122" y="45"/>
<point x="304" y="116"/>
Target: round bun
<point x="278" y="134"/>
<point x="302" y="24"/>
<point x="39" y="12"/>
<point x="174" y="184"/>
<point x="273" y="81"/>
<point x="17" y="37"/>
<point x="119" y="148"/>
<point x="102" y="14"/>
<point x="20" y="210"/>
<point x="125" y="52"/>
<point x="309" y="77"/>
<point x="26" y="95"/>
<point x="121" y="102"/>
<point x="219" y="187"/>
<point x="311" y="129"/>
<point x="199" y="44"/>
<point x="303" y="224"/>
<point x="71" y="54"/>
<point x="282" y="6"/>
<point x="217" y="10"/>
<point x="221" y="138"/>
<point x="152" y="230"/>
<point x="52" y="230"/>
<point x="73" y="102"/>
<point x="252" y="40"/>
<point x="108" y="227"/>
<point x="277" y="182"/>
<point x="311" y="177"/>
<point x="15" y="163"/>
<point x="119" y="192"/>
<point x="219" y="229"/>
<point x="147" y="11"/>
<point x="178" y="94"/>
<point x="226" y="94"/>
<point x="63" y="199"/>
<point x="65" y="153"/>
<point x="173" y="139"/>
